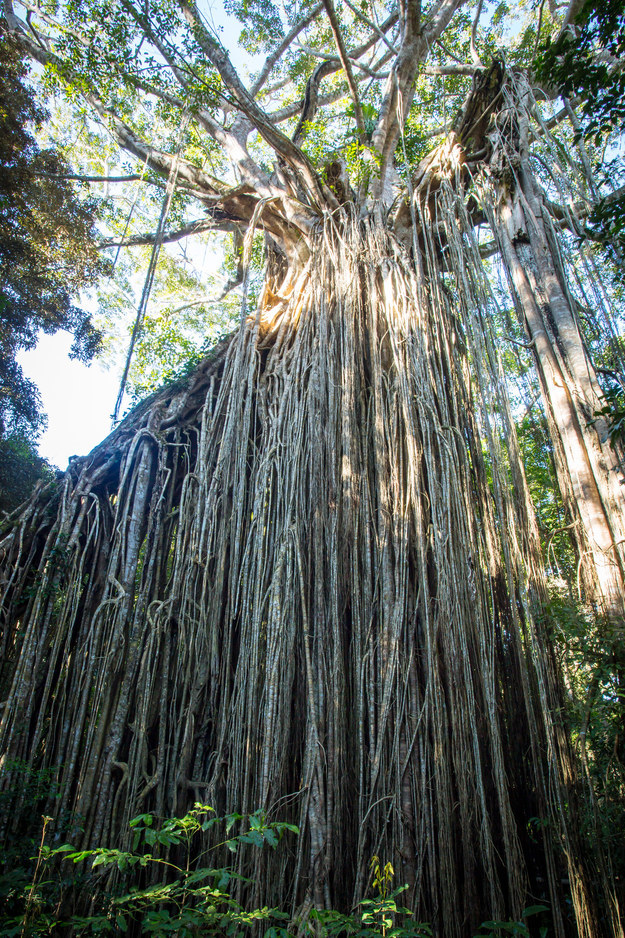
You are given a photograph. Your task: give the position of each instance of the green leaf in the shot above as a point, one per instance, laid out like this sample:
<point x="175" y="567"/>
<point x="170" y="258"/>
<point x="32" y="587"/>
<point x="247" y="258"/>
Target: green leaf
<point x="103" y="859"/>
<point x="534" y="910"/>
<point x="256" y="820"/>
<point x="145" y="819"/>
<point x="64" y="848"/>
<point x="231" y="820"/>
<point x="270" y="837"/>
<point x="80" y="855"/>
<point x="252" y="837"/>
<point x="166" y="838"/>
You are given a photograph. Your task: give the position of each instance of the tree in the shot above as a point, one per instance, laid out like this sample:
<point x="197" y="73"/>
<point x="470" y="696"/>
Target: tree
<point x="48" y="253"/>
<point x="309" y="574"/>
<point x="20" y="469"/>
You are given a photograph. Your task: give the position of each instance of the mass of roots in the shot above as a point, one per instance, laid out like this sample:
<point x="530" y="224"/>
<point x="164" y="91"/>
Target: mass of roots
<point x="304" y="581"/>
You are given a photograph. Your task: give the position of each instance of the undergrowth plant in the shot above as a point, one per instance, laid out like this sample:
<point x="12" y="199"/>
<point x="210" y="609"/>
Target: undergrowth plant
<point x="515" y="929"/>
<point x="379" y="915"/>
<point x="192" y="897"/>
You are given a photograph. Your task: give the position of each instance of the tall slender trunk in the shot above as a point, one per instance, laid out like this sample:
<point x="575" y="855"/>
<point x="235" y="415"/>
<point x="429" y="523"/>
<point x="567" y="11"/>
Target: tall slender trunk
<point x="589" y="471"/>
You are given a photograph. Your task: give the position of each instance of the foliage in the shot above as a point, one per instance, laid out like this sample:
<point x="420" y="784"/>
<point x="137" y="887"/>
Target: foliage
<point x="20" y="469"/>
<point x="47" y="247"/>
<point x="262" y="24"/>
<point x="541" y="479"/>
<point x="24" y="893"/>
<point x="607" y="221"/>
<point x="590" y="652"/>
<point x="329" y="604"/>
<point x="379" y="915"/>
<point x="581" y="62"/>
<point x="179" y="330"/>
<point x="191" y="897"/>
<point x="586" y="62"/>
<point x="613" y="410"/>
<point x="520" y="929"/>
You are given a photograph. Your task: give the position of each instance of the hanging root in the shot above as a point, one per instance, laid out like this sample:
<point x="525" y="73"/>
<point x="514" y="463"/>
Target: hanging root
<point x="298" y="584"/>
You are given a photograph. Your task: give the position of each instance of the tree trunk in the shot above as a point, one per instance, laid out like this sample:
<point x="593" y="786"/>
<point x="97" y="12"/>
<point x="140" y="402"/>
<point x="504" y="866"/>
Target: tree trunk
<point x="589" y="471"/>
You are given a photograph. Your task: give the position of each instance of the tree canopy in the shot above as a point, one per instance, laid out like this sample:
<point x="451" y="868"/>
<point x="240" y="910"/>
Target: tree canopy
<point x="48" y="249"/>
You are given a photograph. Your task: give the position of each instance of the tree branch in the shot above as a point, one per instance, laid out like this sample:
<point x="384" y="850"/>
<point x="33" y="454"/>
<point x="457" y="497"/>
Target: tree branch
<point x="474" y="53"/>
<point x="334" y="65"/>
<point x="380" y="32"/>
<point x="203" y="184"/>
<point x="250" y="172"/>
<point x="437" y="23"/>
<point x="370" y="71"/>
<point x="284" y="45"/>
<point x="279" y="142"/>
<point x="347" y="68"/>
<point x="399" y="90"/>
<point x="159" y="93"/>
<point x="449" y="70"/>
<point x="134" y="177"/>
<point x="452" y="55"/>
<point x="196" y="180"/>
<point x="192" y="228"/>
<point x="574" y="7"/>
<point x="311" y="98"/>
<point x="292" y="110"/>
<point x="372" y="25"/>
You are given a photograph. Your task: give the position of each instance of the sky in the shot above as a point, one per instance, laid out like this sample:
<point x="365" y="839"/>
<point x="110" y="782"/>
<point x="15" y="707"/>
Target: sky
<point x="77" y="398"/>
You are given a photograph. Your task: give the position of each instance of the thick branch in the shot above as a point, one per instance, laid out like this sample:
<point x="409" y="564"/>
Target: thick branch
<point x="311" y="99"/>
<point x="449" y="70"/>
<point x="571" y="216"/>
<point x="279" y="142"/>
<point x="574" y="7"/>
<point x="193" y="227"/>
<point x="231" y="143"/>
<point x="399" y="90"/>
<point x="134" y="177"/>
<point x="202" y="183"/>
<point x="474" y="53"/>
